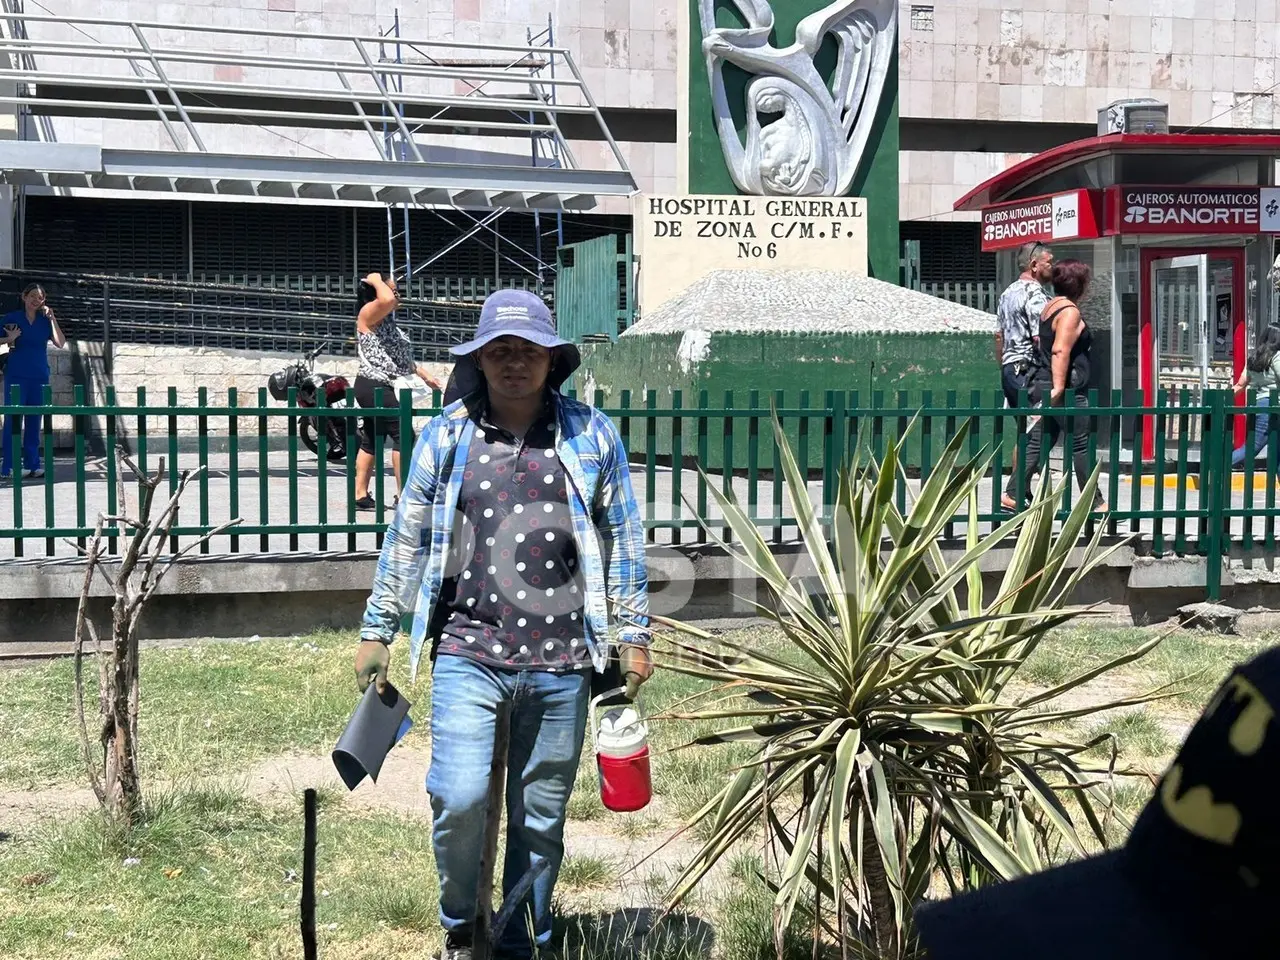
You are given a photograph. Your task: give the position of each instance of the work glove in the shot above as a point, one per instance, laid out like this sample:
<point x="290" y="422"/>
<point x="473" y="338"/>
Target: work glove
<point x="637" y="667"/>
<point x="373" y="658"/>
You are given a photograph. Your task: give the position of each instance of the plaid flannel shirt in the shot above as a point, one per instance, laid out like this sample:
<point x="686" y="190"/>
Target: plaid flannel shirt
<point x="606" y="525"/>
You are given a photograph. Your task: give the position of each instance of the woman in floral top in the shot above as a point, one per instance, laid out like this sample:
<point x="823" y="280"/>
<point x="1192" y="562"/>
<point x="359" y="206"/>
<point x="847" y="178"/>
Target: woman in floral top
<point x="385" y="354"/>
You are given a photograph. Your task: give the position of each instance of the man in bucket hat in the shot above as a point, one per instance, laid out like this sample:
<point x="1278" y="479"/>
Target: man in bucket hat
<point x="516" y="531"/>
<point x="1197" y="880"/>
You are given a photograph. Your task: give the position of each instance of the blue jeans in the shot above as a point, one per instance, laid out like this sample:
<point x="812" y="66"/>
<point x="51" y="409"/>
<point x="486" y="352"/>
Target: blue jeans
<point x="31" y="394"/>
<point x="548" y="721"/>
<point x="1261" y="426"/>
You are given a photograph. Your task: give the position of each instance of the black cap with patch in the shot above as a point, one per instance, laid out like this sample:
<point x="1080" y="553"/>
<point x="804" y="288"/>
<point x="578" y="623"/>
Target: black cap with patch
<point x="1199" y="877"/>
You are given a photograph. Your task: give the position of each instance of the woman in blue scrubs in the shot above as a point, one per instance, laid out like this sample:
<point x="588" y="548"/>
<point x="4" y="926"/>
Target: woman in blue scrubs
<point x="28" y="332"/>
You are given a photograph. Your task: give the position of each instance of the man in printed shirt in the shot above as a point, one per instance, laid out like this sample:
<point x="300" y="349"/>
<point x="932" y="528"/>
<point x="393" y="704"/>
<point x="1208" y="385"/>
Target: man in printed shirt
<point x="517" y="521"/>
<point x="1018" y="333"/>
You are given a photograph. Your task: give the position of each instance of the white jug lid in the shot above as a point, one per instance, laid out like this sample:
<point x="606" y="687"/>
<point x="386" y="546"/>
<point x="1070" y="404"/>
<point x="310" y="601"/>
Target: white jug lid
<point x="621" y="729"/>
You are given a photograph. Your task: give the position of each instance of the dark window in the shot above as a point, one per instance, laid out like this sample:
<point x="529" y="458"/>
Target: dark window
<point x="921" y="17"/>
<point x="307" y="249"/>
<point x="950" y="252"/>
<point x="92" y="235"/>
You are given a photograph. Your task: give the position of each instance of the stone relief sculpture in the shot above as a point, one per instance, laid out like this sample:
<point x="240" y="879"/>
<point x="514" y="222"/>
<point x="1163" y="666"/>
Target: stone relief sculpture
<point x="815" y="145"/>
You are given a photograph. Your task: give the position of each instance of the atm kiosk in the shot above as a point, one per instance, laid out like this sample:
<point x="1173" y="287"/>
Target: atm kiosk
<point x="1179" y="229"/>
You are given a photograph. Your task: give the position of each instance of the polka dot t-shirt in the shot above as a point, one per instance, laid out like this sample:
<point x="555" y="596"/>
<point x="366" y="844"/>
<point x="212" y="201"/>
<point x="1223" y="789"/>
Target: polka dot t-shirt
<point x="516" y="587"/>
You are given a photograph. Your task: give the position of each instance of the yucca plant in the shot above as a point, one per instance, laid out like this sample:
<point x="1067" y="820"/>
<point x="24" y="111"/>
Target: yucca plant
<point x="890" y="753"/>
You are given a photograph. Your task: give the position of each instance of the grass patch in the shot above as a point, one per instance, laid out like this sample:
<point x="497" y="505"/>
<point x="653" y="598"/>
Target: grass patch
<point x="1131" y="795"/>
<point x="205" y="708"/>
<point x="1137" y="733"/>
<point x="584" y="802"/>
<point x="634" y="826"/>
<point x="632" y="935"/>
<point x="585" y="872"/>
<point x="213" y="874"/>
<point x="231" y="890"/>
<point x="688" y="778"/>
<point x="1049" y="665"/>
<point x="1196" y="660"/>
<point x="403" y="908"/>
<point x="656" y="883"/>
<point x="746" y="920"/>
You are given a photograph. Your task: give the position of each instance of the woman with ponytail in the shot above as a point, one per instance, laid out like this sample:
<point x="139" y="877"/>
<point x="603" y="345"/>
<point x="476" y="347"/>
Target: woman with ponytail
<point x="386" y="355"/>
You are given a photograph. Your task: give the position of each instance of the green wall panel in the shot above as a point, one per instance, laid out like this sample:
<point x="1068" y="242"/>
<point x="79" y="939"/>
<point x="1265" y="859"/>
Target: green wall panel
<point x="867" y="363"/>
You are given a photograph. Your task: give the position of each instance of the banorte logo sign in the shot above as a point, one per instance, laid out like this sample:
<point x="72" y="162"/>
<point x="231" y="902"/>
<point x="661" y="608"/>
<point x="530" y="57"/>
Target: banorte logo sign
<point x="1031" y="221"/>
<point x="1070" y="215"/>
<point x="1214" y="210"/>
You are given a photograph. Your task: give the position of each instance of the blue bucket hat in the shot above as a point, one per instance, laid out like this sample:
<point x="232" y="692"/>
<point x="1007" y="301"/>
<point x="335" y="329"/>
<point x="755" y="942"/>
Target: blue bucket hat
<point x="518" y="313"/>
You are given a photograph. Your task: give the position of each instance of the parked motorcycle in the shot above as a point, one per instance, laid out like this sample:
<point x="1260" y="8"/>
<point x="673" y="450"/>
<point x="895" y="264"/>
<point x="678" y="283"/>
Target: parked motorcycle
<point x="302" y="375"/>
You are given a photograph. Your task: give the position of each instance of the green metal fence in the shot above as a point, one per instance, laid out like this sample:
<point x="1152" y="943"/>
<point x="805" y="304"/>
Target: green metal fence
<point x="1187" y="501"/>
<point x="981" y="295"/>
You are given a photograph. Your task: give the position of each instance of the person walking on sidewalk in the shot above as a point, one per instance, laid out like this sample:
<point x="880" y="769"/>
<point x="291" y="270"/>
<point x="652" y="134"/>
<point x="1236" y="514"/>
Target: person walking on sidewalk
<point x="386" y="354"/>
<point x="1018" y="317"/>
<point x="1262" y="372"/>
<point x="28" y="332"/>
<point x="520" y="544"/>
<point x="1066" y="347"/>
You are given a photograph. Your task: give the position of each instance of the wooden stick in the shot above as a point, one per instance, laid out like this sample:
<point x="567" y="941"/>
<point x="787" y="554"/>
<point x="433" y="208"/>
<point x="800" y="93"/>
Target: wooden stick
<point x="309" y="946"/>
<point x="482" y="940"/>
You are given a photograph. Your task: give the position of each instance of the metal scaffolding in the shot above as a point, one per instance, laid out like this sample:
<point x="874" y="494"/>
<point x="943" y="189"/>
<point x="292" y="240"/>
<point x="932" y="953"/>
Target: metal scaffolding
<point x="546" y="149"/>
<point x="396" y="147"/>
<point x="198" y="82"/>
<point x="544" y="146"/>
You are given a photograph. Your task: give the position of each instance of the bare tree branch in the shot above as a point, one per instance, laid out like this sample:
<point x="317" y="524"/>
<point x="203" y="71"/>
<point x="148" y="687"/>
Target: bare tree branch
<point x="135" y="695"/>
<point x="139" y="540"/>
<point x="190" y="548"/>
<point x="126" y="521"/>
<point x="103" y="673"/>
<point x="164" y="523"/>
<point x="148" y="485"/>
<point x="116" y="782"/>
<point x="84" y="552"/>
<point x="158" y="534"/>
<point x="122" y="499"/>
<point x="147" y="589"/>
<point x="145" y="479"/>
<point x="82" y="614"/>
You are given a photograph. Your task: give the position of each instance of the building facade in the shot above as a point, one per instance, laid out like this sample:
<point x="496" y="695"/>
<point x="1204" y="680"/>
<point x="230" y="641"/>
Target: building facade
<point x="981" y="86"/>
<point x="987" y="84"/>
<point x="625" y="49"/>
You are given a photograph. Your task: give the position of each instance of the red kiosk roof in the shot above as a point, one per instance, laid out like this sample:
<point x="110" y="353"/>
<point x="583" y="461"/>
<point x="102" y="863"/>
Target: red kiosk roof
<point x="1007" y="182"/>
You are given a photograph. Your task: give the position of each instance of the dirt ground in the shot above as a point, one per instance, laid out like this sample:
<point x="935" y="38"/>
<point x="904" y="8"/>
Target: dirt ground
<point x="284" y="777"/>
<point x="400" y="789"/>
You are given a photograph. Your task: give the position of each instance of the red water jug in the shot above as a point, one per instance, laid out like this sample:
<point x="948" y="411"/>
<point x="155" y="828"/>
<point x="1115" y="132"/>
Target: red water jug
<point x="621" y="740"/>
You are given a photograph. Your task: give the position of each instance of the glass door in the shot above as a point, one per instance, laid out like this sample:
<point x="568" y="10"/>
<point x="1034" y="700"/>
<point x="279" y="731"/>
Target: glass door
<point x="1179" y="301"/>
<point x="1178" y="335"/>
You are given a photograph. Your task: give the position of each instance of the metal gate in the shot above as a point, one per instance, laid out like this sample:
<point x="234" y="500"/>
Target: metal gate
<point x="594" y="288"/>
